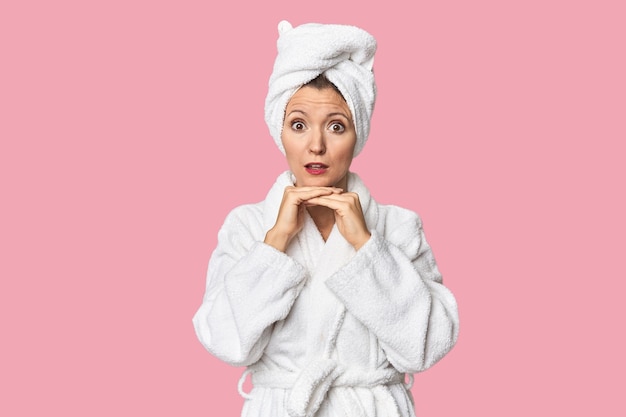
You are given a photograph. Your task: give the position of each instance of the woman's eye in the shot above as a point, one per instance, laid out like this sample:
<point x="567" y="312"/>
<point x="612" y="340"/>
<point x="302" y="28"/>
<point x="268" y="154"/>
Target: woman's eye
<point x="337" y="127"/>
<point x="297" y="125"/>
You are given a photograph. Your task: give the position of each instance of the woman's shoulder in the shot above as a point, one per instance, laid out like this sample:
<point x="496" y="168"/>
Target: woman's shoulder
<point x="244" y="223"/>
<point x="246" y="214"/>
<point x="402" y="227"/>
<point x="395" y="216"/>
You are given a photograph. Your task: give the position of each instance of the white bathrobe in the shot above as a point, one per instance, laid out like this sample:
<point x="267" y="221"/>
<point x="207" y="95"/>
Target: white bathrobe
<point x="326" y="330"/>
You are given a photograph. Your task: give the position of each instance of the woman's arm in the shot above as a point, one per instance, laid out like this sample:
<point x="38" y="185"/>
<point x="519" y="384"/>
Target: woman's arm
<point x="250" y="286"/>
<point x="393" y="286"/>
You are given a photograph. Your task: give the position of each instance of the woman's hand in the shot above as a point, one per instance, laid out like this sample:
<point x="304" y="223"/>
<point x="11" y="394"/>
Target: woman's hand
<point x="348" y="216"/>
<point x="290" y="218"/>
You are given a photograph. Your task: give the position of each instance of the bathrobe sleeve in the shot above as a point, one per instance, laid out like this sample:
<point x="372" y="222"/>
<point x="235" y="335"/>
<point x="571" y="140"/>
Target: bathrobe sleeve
<point x="392" y="286"/>
<point x="250" y="286"/>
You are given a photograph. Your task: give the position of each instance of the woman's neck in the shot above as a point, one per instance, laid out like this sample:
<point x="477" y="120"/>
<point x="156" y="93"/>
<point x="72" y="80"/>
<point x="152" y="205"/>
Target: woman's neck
<point x="324" y="219"/>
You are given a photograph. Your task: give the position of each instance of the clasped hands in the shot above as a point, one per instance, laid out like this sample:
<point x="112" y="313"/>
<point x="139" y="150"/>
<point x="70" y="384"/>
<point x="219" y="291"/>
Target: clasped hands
<point x="345" y="205"/>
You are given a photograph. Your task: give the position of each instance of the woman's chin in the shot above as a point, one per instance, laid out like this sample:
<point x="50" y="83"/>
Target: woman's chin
<point x="314" y="183"/>
<point x="308" y="180"/>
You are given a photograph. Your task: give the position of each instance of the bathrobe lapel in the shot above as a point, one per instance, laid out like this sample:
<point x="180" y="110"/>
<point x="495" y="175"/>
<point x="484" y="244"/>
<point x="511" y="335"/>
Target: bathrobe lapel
<point x="321" y="260"/>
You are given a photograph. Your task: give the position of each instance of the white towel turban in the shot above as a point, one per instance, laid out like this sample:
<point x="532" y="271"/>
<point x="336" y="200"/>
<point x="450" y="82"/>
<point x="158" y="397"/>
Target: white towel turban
<point x="344" y="54"/>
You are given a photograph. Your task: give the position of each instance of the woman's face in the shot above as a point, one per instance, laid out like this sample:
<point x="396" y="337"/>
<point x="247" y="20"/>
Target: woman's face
<point x="318" y="137"/>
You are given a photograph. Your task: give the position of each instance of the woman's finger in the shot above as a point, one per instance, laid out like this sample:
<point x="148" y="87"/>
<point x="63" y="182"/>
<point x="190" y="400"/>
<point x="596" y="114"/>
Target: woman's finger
<point x="298" y="195"/>
<point x="337" y="201"/>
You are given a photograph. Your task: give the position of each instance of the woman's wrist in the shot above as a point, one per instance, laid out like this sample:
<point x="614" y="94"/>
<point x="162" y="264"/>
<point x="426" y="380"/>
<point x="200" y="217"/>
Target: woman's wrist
<point x="277" y="240"/>
<point x="362" y="241"/>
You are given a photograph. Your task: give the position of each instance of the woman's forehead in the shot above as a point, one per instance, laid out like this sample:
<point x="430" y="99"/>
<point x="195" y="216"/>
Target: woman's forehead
<point x="312" y="98"/>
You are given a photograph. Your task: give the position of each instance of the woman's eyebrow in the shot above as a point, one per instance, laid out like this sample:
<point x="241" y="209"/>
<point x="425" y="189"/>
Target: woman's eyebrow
<point x="338" y="114"/>
<point x="297" y="111"/>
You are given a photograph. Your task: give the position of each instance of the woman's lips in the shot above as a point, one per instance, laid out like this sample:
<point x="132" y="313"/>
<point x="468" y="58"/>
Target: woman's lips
<point x="315" y="168"/>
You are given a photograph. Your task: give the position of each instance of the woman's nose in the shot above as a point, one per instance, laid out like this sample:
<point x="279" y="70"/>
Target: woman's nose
<point x="317" y="145"/>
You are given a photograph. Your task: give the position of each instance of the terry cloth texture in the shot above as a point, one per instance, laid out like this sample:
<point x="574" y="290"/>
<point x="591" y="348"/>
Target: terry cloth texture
<point x="326" y="330"/>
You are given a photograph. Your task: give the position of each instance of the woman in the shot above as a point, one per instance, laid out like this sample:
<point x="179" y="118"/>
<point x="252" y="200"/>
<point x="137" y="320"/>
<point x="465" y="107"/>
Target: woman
<point x="328" y="297"/>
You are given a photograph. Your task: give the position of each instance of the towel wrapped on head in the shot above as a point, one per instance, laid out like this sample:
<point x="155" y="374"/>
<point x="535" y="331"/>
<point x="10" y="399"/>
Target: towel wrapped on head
<point x="343" y="54"/>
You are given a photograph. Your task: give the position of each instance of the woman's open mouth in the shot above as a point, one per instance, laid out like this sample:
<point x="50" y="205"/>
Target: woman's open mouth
<point x="315" y="168"/>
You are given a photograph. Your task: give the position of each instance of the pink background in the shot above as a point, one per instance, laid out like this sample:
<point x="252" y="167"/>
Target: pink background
<point x="130" y="128"/>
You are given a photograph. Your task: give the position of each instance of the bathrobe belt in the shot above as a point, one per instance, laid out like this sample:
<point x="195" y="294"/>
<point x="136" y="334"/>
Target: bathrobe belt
<point x="309" y="387"/>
